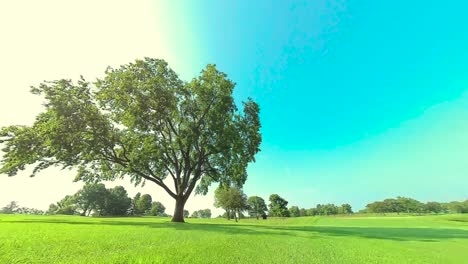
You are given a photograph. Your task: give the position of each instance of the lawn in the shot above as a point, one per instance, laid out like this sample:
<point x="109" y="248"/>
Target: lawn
<point x="355" y="239"/>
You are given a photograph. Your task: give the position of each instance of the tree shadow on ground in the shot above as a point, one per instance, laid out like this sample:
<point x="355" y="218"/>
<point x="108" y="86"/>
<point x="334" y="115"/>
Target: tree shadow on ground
<point x="386" y="233"/>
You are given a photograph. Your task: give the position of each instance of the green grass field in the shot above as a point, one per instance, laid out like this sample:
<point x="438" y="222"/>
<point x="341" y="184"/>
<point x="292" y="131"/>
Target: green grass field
<point x="356" y="239"/>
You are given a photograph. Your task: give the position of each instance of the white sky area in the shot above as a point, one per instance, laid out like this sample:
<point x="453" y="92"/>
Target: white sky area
<point x="49" y="40"/>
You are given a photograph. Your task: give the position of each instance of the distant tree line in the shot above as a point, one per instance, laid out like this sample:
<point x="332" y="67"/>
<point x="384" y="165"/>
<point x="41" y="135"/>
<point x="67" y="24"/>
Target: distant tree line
<point x="13" y="208"/>
<point x="409" y="205"/>
<point x="203" y="213"/>
<point x="96" y="199"/>
<point x="235" y="203"/>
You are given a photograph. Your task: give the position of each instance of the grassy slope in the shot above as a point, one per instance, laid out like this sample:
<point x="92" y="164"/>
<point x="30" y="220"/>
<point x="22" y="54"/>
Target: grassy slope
<point x="71" y="239"/>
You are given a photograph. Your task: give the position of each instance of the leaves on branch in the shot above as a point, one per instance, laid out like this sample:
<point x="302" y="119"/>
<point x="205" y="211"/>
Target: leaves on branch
<point x="140" y="121"/>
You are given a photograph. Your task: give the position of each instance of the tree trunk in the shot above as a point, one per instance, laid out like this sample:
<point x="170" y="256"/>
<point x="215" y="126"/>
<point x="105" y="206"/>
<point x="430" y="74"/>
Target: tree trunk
<point x="179" y="211"/>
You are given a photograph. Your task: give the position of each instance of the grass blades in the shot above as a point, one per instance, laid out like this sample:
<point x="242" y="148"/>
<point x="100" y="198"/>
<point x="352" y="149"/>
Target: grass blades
<point x="353" y="239"/>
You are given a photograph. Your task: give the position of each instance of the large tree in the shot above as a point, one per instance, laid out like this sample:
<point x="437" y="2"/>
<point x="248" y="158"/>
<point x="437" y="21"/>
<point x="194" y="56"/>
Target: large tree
<point x="140" y="121"/>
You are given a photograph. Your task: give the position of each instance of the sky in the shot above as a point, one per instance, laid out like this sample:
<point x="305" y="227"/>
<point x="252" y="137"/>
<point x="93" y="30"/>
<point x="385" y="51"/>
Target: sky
<point x="360" y="100"/>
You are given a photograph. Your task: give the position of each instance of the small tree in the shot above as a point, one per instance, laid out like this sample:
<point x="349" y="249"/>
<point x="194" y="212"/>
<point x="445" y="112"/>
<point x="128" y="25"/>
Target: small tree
<point x="67" y="206"/>
<point x="433" y="207"/>
<point x="10" y="208"/>
<point x="327" y="209"/>
<point x="91" y="197"/>
<point x="117" y="202"/>
<point x="134" y="208"/>
<point x="294" y="211"/>
<point x="158" y="209"/>
<point x="303" y="212"/>
<point x="345" y="209"/>
<point x="52" y="209"/>
<point x="144" y="204"/>
<point x="278" y="206"/>
<point x="195" y="214"/>
<point x="222" y="200"/>
<point x="204" y="213"/>
<point x="186" y="213"/>
<point x="257" y="206"/>
<point x="232" y="199"/>
<point x="311" y="211"/>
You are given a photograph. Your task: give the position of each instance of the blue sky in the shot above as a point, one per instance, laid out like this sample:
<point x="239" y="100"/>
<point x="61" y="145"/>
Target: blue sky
<point x="360" y="100"/>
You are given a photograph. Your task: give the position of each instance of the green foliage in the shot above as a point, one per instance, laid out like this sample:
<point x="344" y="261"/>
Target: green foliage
<point x="13" y="208"/>
<point x="294" y="211"/>
<point x="231" y="199"/>
<point x="326" y="209"/>
<point x="278" y="206"/>
<point x="67" y="206"/>
<point x="134" y="209"/>
<point x="142" y="122"/>
<point x="117" y="202"/>
<point x="10" y="208"/>
<point x="407" y="205"/>
<point x="457" y="207"/>
<point x="195" y="214"/>
<point x="94" y="198"/>
<point x="345" y="209"/>
<point x="311" y="212"/>
<point x="144" y="205"/>
<point x="29" y="211"/>
<point x="186" y="213"/>
<point x="257" y="206"/>
<point x="203" y="213"/>
<point x="91" y="198"/>
<point x="434" y="207"/>
<point x="53" y="208"/>
<point x="157" y="209"/>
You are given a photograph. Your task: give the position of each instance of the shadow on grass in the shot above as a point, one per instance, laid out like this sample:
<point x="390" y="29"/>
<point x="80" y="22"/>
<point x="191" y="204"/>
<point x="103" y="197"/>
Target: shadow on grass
<point x="387" y="233"/>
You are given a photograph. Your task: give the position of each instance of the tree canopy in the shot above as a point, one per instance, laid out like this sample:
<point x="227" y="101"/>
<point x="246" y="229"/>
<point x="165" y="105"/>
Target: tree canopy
<point x="10" y="208"/>
<point x="278" y="206"/>
<point x="231" y="199"/>
<point x="256" y="206"/>
<point x="157" y="209"/>
<point x="94" y="198"/>
<point x="144" y="204"/>
<point x="142" y="122"/>
<point x="294" y="211"/>
<point x="202" y="213"/>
